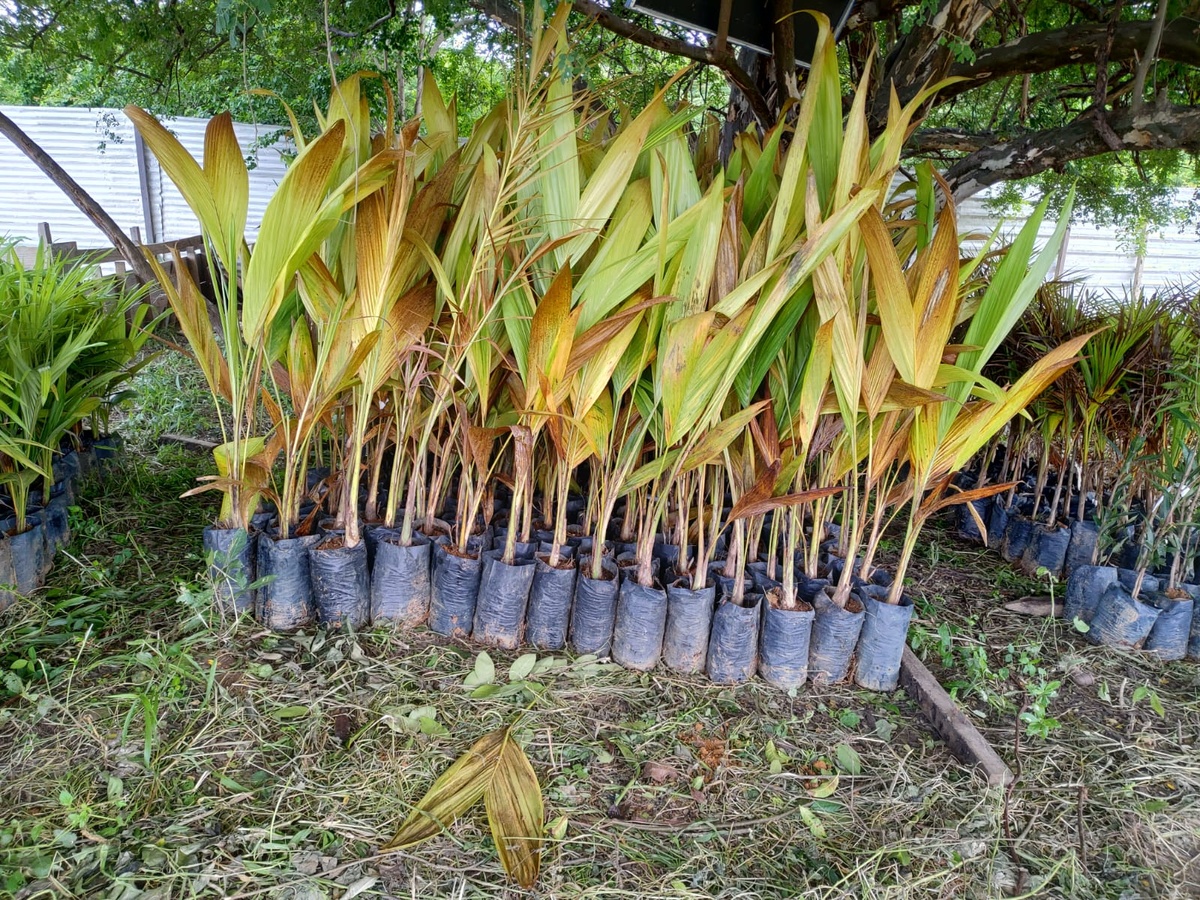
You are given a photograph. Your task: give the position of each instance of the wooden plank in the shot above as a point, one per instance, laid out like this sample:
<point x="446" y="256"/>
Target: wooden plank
<point x="184" y="440"/>
<point x="949" y="722"/>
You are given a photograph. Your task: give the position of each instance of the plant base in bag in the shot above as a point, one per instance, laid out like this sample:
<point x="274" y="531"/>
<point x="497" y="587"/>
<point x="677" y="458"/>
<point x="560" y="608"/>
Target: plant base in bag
<point x="341" y="585"/>
<point x="503" y="596"/>
<point x="28" y="554"/>
<point x="689" y="623"/>
<point x="1047" y="549"/>
<point x="639" y="626"/>
<point x="595" y="609"/>
<point x="1122" y="620"/>
<point x="400" y="580"/>
<point x="285" y="600"/>
<point x="1168" y="638"/>
<point x="549" y="612"/>
<point x="454" y="590"/>
<point x="835" y="634"/>
<point x="882" y="639"/>
<point x="733" y="642"/>
<point x="1085" y="587"/>
<point x="784" y="643"/>
<point x="1081" y="549"/>
<point x="231" y="569"/>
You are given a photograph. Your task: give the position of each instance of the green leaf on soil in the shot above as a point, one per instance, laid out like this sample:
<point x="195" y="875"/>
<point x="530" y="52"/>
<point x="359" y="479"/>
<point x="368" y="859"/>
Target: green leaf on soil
<point x="522" y="667"/>
<point x="848" y="759"/>
<point x="483" y="673"/>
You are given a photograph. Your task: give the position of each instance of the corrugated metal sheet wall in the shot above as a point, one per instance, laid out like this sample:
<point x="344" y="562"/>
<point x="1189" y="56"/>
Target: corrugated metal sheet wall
<point x="97" y="147"/>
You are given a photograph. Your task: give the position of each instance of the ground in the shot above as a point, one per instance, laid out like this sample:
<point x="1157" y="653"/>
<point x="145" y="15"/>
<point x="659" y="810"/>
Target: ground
<point x="150" y="750"/>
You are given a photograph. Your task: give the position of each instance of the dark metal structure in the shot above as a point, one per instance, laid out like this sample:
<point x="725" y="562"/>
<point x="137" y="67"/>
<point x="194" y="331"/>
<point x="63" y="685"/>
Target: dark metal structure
<point x="750" y="23"/>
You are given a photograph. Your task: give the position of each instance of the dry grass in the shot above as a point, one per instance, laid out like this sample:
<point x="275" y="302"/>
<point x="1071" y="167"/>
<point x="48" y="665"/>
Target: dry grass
<point x="153" y="753"/>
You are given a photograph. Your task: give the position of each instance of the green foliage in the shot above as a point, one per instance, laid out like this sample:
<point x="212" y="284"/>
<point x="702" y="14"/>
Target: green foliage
<point x="66" y="349"/>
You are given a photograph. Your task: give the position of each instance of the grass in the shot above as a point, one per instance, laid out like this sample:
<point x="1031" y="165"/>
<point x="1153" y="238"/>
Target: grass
<point x="152" y="751"/>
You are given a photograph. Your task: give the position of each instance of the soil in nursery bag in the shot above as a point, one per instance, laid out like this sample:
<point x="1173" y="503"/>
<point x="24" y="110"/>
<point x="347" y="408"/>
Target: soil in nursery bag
<point x="503" y="596"/>
<point x="400" y="580"/>
<point x="725" y="583"/>
<point x="548" y="614"/>
<point x="595" y="609"/>
<point x="1081" y="549"/>
<point x="1168" y="638"/>
<point x="1017" y="535"/>
<point x="733" y="642"/>
<point x="341" y="583"/>
<point x="783" y="645"/>
<point x="689" y="622"/>
<point x="640" y="624"/>
<point x="8" y="574"/>
<point x="882" y="639"/>
<point x="521" y="549"/>
<point x="1121" y="620"/>
<point x="454" y="590"/>
<point x="1047" y="549"/>
<point x="1085" y="587"/>
<point x="835" y="633"/>
<point x="285" y="599"/>
<point x="997" y="522"/>
<point x="232" y="568"/>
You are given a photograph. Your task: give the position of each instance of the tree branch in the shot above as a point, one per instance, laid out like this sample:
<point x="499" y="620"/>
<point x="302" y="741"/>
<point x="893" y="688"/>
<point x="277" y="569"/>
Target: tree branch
<point x="607" y="19"/>
<point x="1048" y="50"/>
<point x="926" y="53"/>
<point x="1164" y="127"/>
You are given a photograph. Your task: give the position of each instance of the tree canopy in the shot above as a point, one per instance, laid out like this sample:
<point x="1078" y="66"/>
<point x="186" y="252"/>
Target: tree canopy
<point x="1103" y="92"/>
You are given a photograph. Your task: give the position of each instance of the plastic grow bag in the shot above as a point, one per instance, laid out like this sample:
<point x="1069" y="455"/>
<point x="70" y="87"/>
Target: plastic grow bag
<point x="1168" y="638"/>
<point x="549" y="613"/>
<point x="968" y="528"/>
<point x="285" y="599"/>
<point x="997" y="523"/>
<point x="1081" y="549"/>
<point x="1193" y="648"/>
<point x="1047" y="549"/>
<point x="882" y="639"/>
<point x="689" y="622"/>
<point x="503" y="596"/>
<point x="400" y="580"/>
<point x="231" y="554"/>
<point x="1121" y="620"/>
<point x="639" y="626"/>
<point x="8" y="574"/>
<point x="341" y="585"/>
<point x="595" y="609"/>
<point x="733" y="642"/>
<point x="1085" y="587"/>
<point x="784" y="644"/>
<point x="1017" y="535"/>
<point x="454" y="590"/>
<point x="835" y="633"/>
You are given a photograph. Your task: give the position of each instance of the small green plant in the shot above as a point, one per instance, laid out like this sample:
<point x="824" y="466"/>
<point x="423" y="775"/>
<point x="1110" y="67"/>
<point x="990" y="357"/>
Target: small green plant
<point x="1036" y="716"/>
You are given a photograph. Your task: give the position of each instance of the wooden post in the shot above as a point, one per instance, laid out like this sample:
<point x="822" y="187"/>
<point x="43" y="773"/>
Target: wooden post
<point x="43" y="233"/>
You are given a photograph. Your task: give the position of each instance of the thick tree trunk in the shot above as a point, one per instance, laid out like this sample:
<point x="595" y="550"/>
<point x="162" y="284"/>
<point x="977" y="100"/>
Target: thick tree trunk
<point x="80" y="198"/>
<point x="925" y="54"/>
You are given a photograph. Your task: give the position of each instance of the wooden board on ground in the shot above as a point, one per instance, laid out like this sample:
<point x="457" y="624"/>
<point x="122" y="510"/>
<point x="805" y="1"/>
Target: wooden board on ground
<point x="950" y="723"/>
<point x="194" y="443"/>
